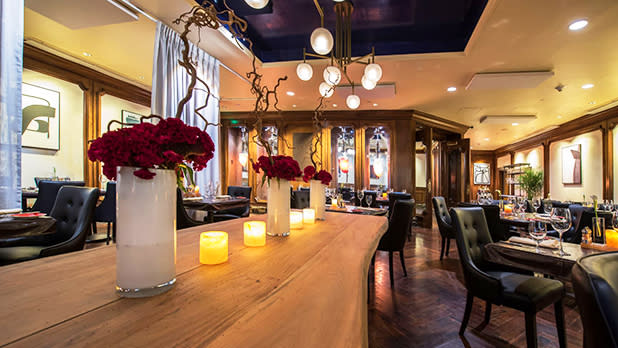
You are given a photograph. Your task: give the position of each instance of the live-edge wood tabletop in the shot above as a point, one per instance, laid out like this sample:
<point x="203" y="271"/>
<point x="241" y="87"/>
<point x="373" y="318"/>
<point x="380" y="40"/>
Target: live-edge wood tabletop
<point x="306" y="290"/>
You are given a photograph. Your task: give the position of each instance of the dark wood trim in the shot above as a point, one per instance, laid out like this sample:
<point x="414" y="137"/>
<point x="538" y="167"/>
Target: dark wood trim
<point x="546" y="167"/>
<point x="427" y="140"/>
<point x="438" y="122"/>
<point x="94" y="84"/>
<point x="608" y="168"/>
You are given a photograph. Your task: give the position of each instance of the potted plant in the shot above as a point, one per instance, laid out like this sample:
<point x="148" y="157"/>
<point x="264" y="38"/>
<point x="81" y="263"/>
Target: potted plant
<point x="531" y="181"/>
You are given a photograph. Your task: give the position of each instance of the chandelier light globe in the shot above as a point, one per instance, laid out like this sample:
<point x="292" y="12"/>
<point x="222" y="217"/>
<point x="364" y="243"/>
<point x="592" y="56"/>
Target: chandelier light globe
<point x="332" y="75"/>
<point x="353" y="101"/>
<point x="321" y="41"/>
<point x="243" y="158"/>
<point x="367" y="83"/>
<point x="257" y="4"/>
<point x="378" y="167"/>
<point x="304" y="71"/>
<point x="373" y="72"/>
<point x="326" y="90"/>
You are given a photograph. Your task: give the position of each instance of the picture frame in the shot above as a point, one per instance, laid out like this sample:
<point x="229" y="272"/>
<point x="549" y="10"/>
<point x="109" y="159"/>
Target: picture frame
<point x="481" y="174"/>
<point x="572" y="164"/>
<point x="130" y="117"/>
<point x="40" y="117"/>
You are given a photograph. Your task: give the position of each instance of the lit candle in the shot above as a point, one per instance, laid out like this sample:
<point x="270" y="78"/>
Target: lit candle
<point x="384" y="195"/>
<point x="334" y="201"/>
<point x="213" y="247"/>
<point x="296" y="220"/>
<point x="255" y="233"/>
<point x="309" y="216"/>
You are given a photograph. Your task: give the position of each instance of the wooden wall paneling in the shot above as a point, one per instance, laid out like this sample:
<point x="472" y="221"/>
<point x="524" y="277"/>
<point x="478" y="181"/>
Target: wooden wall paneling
<point x="360" y="155"/>
<point x="546" y="167"/>
<point x="427" y="140"/>
<point x="608" y="155"/>
<point x="465" y="170"/>
<point x="480" y="156"/>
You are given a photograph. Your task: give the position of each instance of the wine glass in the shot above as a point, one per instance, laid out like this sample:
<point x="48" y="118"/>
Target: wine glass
<point x="536" y="203"/>
<point x="360" y="194"/>
<point x="615" y="219"/>
<point x="547" y="206"/>
<point x="368" y="200"/>
<point x="538" y="232"/>
<point x="561" y="222"/>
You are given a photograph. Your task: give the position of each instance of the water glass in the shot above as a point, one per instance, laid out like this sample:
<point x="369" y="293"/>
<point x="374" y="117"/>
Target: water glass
<point x="368" y="200"/>
<point x="598" y="230"/>
<point x="538" y="232"/>
<point x="547" y="206"/>
<point x="561" y="222"/>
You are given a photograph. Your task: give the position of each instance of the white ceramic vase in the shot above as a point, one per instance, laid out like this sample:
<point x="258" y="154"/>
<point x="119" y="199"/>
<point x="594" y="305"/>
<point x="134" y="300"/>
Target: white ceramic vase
<point x="146" y="233"/>
<point x="278" y="208"/>
<point x="317" y="199"/>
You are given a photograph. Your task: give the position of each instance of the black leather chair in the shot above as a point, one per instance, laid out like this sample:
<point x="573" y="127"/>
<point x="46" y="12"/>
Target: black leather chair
<point x="445" y="225"/>
<point x="38" y="179"/>
<point x="105" y="212"/>
<point x="73" y="211"/>
<point x="526" y="293"/>
<point x="394" y="239"/>
<point x="48" y="190"/>
<point x="595" y="282"/>
<point x="183" y="220"/>
<point x="395" y="196"/>
<point x="235" y="213"/>
<point x="374" y="202"/>
<point x="300" y="199"/>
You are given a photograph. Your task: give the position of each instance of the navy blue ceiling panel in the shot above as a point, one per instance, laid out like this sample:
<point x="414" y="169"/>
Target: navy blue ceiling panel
<point x="281" y="30"/>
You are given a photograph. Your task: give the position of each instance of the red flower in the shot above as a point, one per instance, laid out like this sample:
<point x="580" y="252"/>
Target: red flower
<point x="324" y="177"/>
<point x="282" y="167"/>
<point x="173" y="156"/>
<point x="309" y="173"/>
<point x="144" y="174"/>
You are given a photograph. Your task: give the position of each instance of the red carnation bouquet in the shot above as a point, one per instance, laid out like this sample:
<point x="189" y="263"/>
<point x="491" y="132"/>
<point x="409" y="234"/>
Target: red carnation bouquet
<point x="311" y="173"/>
<point x="280" y="167"/>
<point x="170" y="144"/>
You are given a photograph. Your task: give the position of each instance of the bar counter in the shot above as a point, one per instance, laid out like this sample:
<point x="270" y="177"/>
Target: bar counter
<point x="306" y="290"/>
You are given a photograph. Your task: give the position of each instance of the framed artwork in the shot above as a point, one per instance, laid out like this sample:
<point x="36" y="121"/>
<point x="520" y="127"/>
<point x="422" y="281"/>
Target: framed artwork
<point x="572" y="164"/>
<point x="129" y="117"/>
<point x="40" y="127"/>
<point x="481" y="174"/>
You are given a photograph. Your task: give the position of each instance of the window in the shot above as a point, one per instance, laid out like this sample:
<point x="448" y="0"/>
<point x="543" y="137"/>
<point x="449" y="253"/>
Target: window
<point x="377" y="147"/>
<point x="343" y="155"/>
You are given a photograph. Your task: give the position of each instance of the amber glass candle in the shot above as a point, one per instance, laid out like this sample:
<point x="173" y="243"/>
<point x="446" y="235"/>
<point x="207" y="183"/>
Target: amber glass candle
<point x="254" y="233"/>
<point x="213" y="247"/>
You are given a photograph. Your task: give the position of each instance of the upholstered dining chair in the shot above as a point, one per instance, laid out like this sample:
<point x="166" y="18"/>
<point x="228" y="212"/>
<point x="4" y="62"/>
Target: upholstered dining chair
<point x="445" y="225"/>
<point x="105" y="212"/>
<point x="483" y="280"/>
<point x="374" y="196"/>
<point x="300" y="199"/>
<point x="183" y="220"/>
<point x="235" y="213"/>
<point x="595" y="282"/>
<point x="394" y="239"/>
<point x="48" y="190"/>
<point x="73" y="212"/>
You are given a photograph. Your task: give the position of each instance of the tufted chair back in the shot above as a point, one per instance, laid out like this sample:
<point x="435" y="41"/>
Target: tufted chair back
<point x="239" y="191"/>
<point x="300" y="199"/>
<point x="398" y="226"/>
<point x="374" y="194"/>
<point x="106" y="211"/>
<point x="445" y="224"/>
<point x="48" y="190"/>
<point x="595" y="282"/>
<point x="73" y="211"/>
<point x="472" y="234"/>
<point x="396" y="196"/>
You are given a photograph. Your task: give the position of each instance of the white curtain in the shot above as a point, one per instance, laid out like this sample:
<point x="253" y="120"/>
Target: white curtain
<point x="169" y="85"/>
<point x="11" y="67"/>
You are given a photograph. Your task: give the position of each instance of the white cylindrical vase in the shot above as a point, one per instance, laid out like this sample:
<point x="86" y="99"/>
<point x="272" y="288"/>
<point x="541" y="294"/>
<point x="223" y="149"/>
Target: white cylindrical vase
<point x="317" y="199"/>
<point x="278" y="208"/>
<point x="146" y="233"/>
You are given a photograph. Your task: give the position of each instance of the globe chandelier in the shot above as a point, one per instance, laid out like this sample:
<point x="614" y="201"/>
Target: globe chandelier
<point x="340" y="56"/>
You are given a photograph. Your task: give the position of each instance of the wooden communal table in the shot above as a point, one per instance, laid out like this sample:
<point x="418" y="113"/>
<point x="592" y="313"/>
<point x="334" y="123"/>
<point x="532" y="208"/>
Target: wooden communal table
<point x="351" y="209"/>
<point x="306" y="290"/>
<point x="525" y="257"/>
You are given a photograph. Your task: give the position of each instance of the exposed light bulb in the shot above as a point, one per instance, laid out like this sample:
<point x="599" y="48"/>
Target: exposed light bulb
<point x="367" y="83"/>
<point x="378" y="167"/>
<point x="578" y="25"/>
<point x="257" y="4"/>
<point x="332" y="75"/>
<point x="326" y="90"/>
<point x="373" y="72"/>
<point x="321" y="41"/>
<point x="304" y="71"/>
<point x="353" y="101"/>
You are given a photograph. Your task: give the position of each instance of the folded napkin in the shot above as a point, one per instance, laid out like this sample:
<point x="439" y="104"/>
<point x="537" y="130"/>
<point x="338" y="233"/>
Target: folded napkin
<point x="547" y="243"/>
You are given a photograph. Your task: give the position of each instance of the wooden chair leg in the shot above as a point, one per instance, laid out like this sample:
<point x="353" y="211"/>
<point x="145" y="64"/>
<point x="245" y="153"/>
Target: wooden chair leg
<point x="448" y="245"/>
<point x="559" y="312"/>
<point x="531" y="330"/>
<point x="442" y="249"/>
<point x="403" y="263"/>
<point x="487" y="311"/>
<point x="390" y="268"/>
<point x="466" y="317"/>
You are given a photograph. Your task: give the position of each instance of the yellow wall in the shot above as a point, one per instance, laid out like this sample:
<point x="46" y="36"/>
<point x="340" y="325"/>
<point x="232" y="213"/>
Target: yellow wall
<point x="421" y="175"/>
<point x="533" y="156"/>
<point x="69" y="161"/>
<point x="592" y="168"/>
<point x="615" y="162"/>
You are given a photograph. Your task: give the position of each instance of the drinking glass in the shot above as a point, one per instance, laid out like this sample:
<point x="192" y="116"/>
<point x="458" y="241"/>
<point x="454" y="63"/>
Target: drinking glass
<point x="547" y="206"/>
<point x="536" y="203"/>
<point x="561" y="222"/>
<point x="368" y="200"/>
<point x="538" y="232"/>
<point x="615" y="219"/>
<point x="360" y="194"/>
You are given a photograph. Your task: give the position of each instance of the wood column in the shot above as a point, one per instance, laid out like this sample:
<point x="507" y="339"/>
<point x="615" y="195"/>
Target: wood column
<point x="427" y="138"/>
<point x="546" y="167"/>
<point x="412" y="137"/>
<point x="608" y="155"/>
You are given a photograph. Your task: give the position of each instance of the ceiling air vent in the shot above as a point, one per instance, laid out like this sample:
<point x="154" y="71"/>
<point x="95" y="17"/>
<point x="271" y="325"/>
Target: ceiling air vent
<point x="508" y="80"/>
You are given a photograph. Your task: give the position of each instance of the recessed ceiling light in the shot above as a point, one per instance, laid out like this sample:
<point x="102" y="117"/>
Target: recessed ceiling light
<point x="592" y="102"/>
<point x="375" y="104"/>
<point x="578" y="24"/>
<point x="486" y="139"/>
<point x="514" y="124"/>
<point x="334" y="105"/>
<point x="141" y="77"/>
<point x="559" y="116"/>
<point x="290" y="93"/>
<point x="293" y="105"/>
<point x="86" y="54"/>
<point x="451" y="89"/>
<point x="587" y="86"/>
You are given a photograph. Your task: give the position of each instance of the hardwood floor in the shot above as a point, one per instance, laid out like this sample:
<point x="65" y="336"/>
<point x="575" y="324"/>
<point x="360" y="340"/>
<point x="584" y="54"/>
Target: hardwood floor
<point x="425" y="308"/>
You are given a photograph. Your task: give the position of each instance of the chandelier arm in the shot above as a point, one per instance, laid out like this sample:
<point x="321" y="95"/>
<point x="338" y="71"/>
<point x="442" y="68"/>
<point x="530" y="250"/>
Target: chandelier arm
<point x="320" y="11"/>
<point x="308" y="54"/>
<point x="359" y="59"/>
